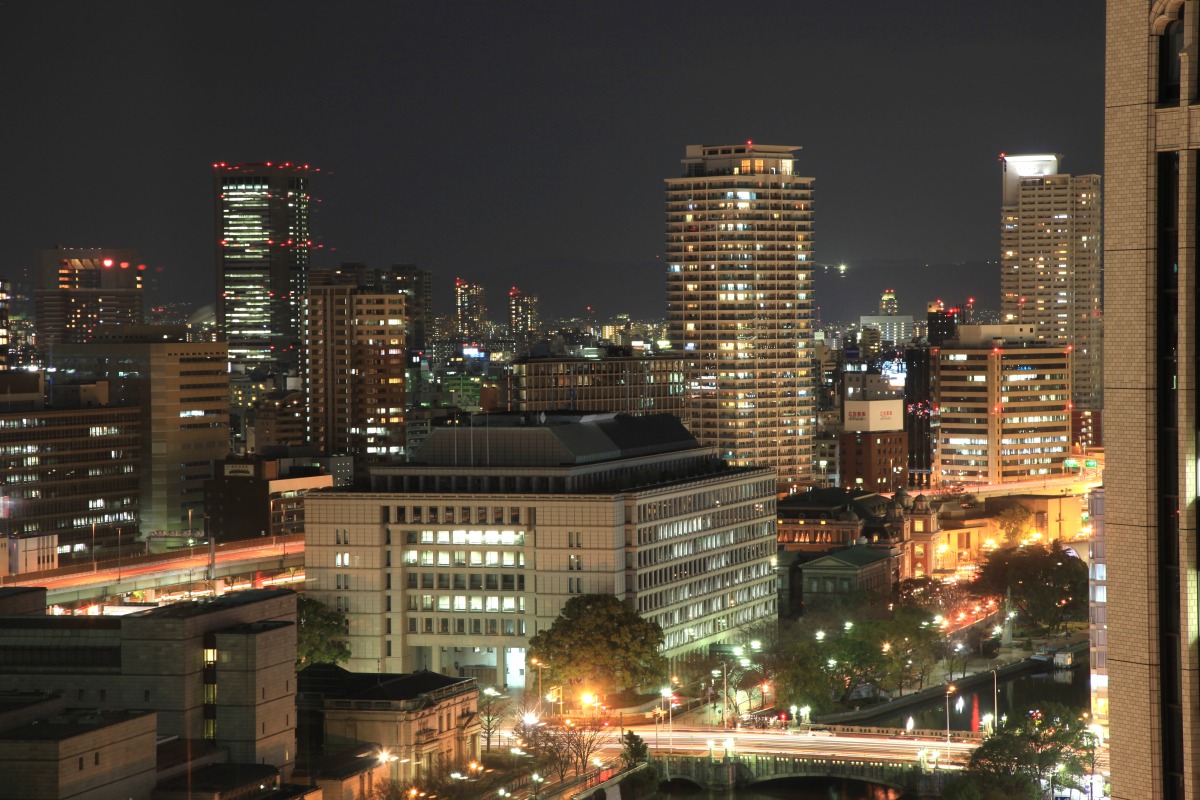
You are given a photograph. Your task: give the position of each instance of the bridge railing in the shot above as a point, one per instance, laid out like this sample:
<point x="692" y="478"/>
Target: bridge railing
<point x="746" y="768"/>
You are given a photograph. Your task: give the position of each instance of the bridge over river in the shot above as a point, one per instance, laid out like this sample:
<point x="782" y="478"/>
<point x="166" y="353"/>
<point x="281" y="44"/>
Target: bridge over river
<point x="918" y="761"/>
<point x="746" y="769"/>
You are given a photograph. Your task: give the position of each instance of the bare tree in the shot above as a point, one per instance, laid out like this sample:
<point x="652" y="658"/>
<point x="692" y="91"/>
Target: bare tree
<point x="493" y="710"/>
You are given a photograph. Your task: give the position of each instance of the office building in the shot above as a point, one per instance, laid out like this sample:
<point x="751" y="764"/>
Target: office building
<point x="451" y="563"/>
<point x="70" y="471"/>
<point x="524" y="324"/>
<point x="1004" y="397"/>
<point x="221" y="670"/>
<point x="740" y="303"/>
<point x="889" y="306"/>
<point x="921" y="420"/>
<point x="643" y="384"/>
<point x="1050" y="256"/>
<point x="1150" y="238"/>
<point x="470" y="310"/>
<point x="893" y="328"/>
<point x="873" y="446"/>
<point x="942" y="323"/>
<point x="262" y="260"/>
<point x="251" y="498"/>
<point x="182" y="391"/>
<point x="77" y="290"/>
<point x="53" y="752"/>
<point x="356" y="355"/>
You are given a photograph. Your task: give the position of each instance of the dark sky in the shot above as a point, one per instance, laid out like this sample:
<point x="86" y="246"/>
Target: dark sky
<point x="526" y="143"/>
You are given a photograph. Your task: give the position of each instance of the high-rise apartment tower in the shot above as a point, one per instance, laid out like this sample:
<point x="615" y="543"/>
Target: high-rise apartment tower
<point x="740" y="303"/>
<point x="263" y="245"/>
<point x="469" y="308"/>
<point x="1151" y="228"/>
<point x="1050" y="262"/>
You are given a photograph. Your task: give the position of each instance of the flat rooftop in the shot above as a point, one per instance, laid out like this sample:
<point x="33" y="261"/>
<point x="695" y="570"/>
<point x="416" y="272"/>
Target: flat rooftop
<point x="68" y="725"/>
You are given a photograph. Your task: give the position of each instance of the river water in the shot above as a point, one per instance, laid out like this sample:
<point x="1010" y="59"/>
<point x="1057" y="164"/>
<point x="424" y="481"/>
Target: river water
<point x="1068" y="687"/>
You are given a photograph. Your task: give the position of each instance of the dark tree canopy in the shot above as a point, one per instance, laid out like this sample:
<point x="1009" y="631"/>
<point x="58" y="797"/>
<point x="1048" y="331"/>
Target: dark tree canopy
<point x="318" y="633"/>
<point x="600" y="641"/>
<point x="1048" y="585"/>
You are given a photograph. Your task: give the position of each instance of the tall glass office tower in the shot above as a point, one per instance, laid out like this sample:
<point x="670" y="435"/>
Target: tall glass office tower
<point x="740" y="303"/>
<point x="263" y="246"/>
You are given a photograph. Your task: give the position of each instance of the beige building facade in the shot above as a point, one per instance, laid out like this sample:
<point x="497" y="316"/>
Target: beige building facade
<point x="1005" y="401"/>
<point x="1152" y="164"/>
<point x="740" y="304"/>
<point x="1050" y="257"/>
<point x="451" y="564"/>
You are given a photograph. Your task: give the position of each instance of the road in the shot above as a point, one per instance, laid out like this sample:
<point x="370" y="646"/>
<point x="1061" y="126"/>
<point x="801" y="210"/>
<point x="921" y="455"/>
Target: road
<point x="109" y="572"/>
<point x="694" y="740"/>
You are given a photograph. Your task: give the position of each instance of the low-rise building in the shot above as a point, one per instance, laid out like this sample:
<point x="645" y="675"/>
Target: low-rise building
<point x="84" y="754"/>
<point x="416" y="723"/>
<point x="221" y="670"/>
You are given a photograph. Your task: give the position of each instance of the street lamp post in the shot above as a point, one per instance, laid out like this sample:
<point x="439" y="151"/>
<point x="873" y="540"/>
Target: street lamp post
<point x="539" y="666"/>
<point x="951" y="689"/>
<point x="995" y="695"/>
<point x="667" y="695"/>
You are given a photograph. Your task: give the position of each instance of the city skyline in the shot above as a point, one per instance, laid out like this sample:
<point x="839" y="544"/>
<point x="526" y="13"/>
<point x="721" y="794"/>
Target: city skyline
<point x="562" y="130"/>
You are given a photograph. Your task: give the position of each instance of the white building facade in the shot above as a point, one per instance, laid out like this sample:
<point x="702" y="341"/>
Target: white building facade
<point x="453" y="567"/>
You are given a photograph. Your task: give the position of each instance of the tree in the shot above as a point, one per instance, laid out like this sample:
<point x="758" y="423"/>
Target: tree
<point x="318" y="633"/>
<point x="1048" y="584"/>
<point x="1014" y="522"/>
<point x="599" y="640"/>
<point x="633" y="749"/>
<point x="493" y="708"/>
<point x="1030" y="749"/>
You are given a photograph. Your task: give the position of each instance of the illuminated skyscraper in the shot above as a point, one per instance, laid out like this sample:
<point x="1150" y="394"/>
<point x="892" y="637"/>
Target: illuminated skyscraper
<point x="79" y="289"/>
<point x="1151" y="163"/>
<point x="740" y="303"/>
<point x="1050" y="262"/>
<point x="523" y="319"/>
<point x="263" y="245"/>
<point x="889" y="306"/>
<point x="470" y="311"/>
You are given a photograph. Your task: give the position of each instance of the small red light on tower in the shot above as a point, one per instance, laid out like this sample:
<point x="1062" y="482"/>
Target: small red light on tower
<point x="124" y="265"/>
<point x="108" y="262"/>
<point x="142" y="267"/>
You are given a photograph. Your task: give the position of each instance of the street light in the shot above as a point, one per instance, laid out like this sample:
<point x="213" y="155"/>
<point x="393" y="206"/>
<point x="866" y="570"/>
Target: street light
<point x="539" y="665"/>
<point x="667" y="695"/>
<point x="950" y="689"/>
<point x="537" y="782"/>
<point x="995" y="695"/>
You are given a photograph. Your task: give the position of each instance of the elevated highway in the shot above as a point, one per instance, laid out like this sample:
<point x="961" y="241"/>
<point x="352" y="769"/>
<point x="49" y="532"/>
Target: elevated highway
<point x="251" y="562"/>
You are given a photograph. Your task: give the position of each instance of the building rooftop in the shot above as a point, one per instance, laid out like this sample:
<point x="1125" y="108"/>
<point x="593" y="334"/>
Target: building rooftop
<point x="541" y="439"/>
<point x="857" y="556"/>
<point x="333" y="682"/>
<point x="69" y="725"/>
<point x="196" y="608"/>
<point x="224" y="778"/>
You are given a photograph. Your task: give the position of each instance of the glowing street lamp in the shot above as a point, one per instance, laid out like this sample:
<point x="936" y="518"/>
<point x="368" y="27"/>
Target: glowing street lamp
<point x="950" y="689"/>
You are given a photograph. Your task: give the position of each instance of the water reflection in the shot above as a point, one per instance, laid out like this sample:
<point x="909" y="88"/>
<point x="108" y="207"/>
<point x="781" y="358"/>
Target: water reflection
<point x="1070" y="687"/>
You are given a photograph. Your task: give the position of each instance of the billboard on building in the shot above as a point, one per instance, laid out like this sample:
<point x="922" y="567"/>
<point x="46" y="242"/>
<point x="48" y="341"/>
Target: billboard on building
<point x="875" y="415"/>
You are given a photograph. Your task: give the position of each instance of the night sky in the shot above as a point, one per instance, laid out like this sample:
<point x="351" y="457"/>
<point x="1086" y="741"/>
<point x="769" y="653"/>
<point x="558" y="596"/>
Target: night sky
<point x="526" y="143"/>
